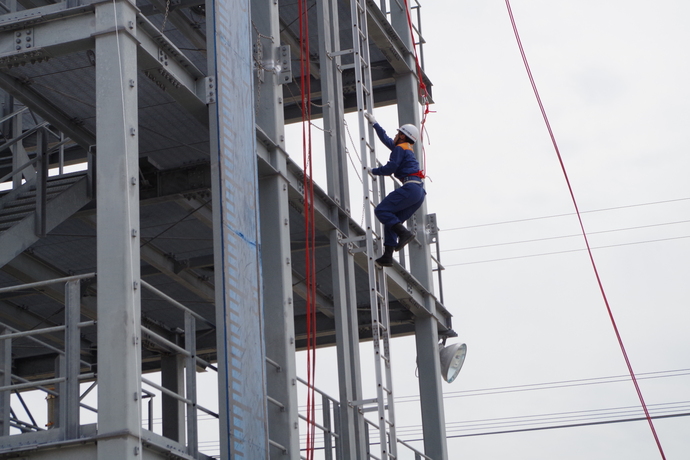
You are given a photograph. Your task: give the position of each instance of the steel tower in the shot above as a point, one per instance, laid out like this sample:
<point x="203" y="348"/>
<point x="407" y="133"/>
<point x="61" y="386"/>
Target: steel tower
<point x="151" y="228"/>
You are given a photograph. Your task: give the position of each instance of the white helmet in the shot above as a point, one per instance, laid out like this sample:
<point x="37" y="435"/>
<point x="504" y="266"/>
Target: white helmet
<point x="410" y="131"/>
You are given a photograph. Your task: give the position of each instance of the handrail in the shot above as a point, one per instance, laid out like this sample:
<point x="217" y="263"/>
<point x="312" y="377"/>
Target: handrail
<point x="165" y="342"/>
<point x="19" y="169"/>
<point x="40" y="342"/>
<point x="319" y="391"/>
<point x="176" y="303"/>
<point x="47" y="282"/>
<point x="13" y="114"/>
<point x="400" y="441"/>
<point x="22" y="136"/>
<point x="45" y="330"/>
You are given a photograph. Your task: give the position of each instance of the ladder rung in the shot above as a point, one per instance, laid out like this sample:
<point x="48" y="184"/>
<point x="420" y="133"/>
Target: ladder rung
<point x="379" y="324"/>
<point x="369" y="409"/>
<point x="362" y="402"/>
<point x="352" y="239"/>
<point x="341" y="52"/>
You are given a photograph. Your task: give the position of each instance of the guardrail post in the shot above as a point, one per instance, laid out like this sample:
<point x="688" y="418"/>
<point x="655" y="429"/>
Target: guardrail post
<point x="6" y="380"/>
<point x="336" y="423"/>
<point x="327" y="434"/>
<point x="41" y="182"/>
<point x="69" y="400"/>
<point x="172" y="378"/>
<point x="190" y="346"/>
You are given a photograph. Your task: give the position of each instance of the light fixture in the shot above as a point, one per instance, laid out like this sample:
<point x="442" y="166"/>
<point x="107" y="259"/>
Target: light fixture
<point x="452" y="357"/>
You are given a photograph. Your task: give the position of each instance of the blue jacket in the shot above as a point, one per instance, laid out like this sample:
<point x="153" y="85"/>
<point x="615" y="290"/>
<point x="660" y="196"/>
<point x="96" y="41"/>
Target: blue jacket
<point x="401" y="163"/>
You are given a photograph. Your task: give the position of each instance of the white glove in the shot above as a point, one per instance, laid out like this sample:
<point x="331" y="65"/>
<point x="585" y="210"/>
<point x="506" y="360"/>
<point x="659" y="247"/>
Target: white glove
<point x="370" y="117"/>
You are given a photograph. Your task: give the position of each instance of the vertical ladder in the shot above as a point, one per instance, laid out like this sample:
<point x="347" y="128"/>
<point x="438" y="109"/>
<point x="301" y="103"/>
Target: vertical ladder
<point x="378" y="291"/>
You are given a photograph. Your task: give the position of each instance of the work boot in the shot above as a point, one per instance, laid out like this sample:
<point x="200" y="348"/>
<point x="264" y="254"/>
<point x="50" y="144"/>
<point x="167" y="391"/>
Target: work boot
<point x="404" y="235"/>
<point x="386" y="260"/>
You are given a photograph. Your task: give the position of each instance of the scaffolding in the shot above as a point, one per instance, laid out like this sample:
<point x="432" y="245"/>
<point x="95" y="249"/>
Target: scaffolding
<point x="152" y="237"/>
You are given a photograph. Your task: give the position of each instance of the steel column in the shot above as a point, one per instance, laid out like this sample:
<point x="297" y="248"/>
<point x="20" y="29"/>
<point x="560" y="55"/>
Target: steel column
<point x="276" y="264"/>
<point x="426" y="328"/>
<point x="351" y="441"/>
<point x="239" y="316"/>
<point x="332" y="100"/>
<point x="117" y="191"/>
<point x="279" y="330"/>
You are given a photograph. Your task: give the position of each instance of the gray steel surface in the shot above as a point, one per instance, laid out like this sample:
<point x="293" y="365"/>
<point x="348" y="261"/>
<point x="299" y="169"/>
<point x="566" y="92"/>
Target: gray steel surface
<point x="57" y="80"/>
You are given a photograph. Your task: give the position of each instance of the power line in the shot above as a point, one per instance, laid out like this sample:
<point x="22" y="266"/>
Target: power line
<point x="544" y="428"/>
<point x="558" y="417"/>
<point x="565" y="251"/>
<point x="550" y="385"/>
<point x="554" y="427"/>
<point x="564" y="215"/>
<point x="566" y="236"/>
<point x="558" y="384"/>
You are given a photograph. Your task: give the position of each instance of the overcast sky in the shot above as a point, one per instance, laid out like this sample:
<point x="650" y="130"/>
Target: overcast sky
<point x="614" y="79"/>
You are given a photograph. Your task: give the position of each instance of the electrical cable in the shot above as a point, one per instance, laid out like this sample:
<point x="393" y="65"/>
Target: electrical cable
<point x="556" y="384"/>
<point x="584" y="233"/>
<point x="556" y="417"/>
<point x="571" y="425"/>
<point x="566" y="251"/>
<point x="563" y="215"/>
<point x="566" y="236"/>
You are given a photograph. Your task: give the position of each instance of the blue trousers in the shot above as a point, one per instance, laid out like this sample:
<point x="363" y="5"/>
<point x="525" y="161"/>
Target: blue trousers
<point x="397" y="207"/>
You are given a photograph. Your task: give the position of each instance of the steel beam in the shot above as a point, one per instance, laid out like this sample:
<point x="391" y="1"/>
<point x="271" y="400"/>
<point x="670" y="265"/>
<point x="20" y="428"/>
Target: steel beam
<point x="159" y="59"/>
<point x="165" y="64"/>
<point x="181" y="22"/>
<point x="47" y="110"/>
<point x="155" y="257"/>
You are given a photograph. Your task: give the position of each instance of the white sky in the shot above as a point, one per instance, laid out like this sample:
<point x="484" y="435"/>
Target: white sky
<point x="613" y="76"/>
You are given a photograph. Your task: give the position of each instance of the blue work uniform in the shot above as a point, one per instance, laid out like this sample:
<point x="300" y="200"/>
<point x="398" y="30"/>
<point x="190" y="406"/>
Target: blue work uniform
<point x="401" y="203"/>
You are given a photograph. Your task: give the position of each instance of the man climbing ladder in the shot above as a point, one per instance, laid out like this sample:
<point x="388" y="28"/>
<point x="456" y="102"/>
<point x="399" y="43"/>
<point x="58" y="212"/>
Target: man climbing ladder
<point x="402" y="203"/>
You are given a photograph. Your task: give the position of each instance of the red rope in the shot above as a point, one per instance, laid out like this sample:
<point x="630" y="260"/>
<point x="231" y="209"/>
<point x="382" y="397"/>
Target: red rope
<point x="582" y="227"/>
<point x="423" y="93"/>
<point x="309" y="227"/>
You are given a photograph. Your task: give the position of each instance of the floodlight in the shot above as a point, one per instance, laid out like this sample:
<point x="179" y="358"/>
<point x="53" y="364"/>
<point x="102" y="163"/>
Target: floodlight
<point x="452" y="357"/>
